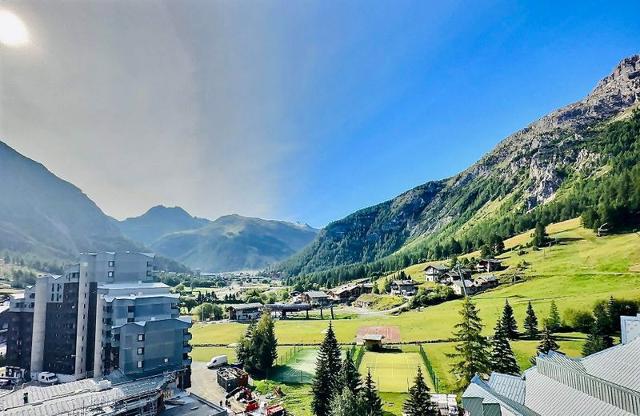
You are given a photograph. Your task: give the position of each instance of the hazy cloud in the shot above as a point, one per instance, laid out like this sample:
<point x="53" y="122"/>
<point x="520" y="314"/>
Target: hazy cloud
<point x="147" y="102"/>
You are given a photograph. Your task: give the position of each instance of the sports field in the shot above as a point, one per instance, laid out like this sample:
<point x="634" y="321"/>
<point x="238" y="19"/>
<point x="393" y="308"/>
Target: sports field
<point x="392" y="371"/>
<point x="299" y="369"/>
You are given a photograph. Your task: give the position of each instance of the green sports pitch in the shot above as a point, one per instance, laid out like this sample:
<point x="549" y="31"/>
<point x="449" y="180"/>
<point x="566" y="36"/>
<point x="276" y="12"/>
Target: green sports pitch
<point x="299" y="369"/>
<point x="392" y="371"/>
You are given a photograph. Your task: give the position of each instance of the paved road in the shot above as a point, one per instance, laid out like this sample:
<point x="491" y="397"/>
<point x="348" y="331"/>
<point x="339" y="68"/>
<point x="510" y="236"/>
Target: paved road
<point x="204" y="384"/>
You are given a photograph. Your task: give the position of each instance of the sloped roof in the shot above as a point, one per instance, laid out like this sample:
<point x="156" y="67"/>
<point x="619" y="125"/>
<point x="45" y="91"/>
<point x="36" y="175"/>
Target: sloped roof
<point x="316" y="294"/>
<point x="507" y="385"/>
<point x="619" y="365"/>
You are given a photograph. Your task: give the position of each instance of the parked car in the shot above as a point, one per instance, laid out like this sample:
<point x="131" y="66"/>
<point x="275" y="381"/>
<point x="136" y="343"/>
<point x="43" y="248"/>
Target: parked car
<point x="218" y="361"/>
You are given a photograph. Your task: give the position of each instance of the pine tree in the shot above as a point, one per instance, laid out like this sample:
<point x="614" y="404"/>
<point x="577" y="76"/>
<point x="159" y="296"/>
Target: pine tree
<point x="265" y="344"/>
<point x="349" y="376"/>
<point x="371" y="401"/>
<point x="531" y="322"/>
<point x="553" y="320"/>
<point x="509" y="321"/>
<point x="471" y="349"/>
<point x="502" y="357"/>
<point x="548" y="342"/>
<point x="539" y="236"/>
<point x="325" y="382"/>
<point x="419" y="401"/>
<point x="346" y="403"/>
<point x="602" y="324"/>
<point x="243" y="349"/>
<point x="593" y="344"/>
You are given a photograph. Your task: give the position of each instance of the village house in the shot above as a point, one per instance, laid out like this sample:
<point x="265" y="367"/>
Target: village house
<point x="453" y="275"/>
<point x="349" y="292"/>
<point x="486" y="281"/>
<point x="316" y="298"/>
<point x="470" y="287"/>
<point x="372" y="342"/>
<point x="403" y="287"/>
<point x="434" y="272"/>
<point x="245" y="311"/>
<point x="488" y="265"/>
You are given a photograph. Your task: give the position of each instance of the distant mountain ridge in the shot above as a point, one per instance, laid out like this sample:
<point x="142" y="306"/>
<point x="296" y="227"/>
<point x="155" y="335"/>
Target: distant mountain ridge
<point x="524" y="171"/>
<point x="48" y="216"/>
<point x="158" y="221"/>
<point x="234" y="242"/>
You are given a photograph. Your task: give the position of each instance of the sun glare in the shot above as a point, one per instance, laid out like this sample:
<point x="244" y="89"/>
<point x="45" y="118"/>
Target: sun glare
<point x="13" y="31"/>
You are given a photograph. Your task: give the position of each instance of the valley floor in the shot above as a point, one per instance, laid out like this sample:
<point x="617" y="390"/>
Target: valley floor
<point x="578" y="271"/>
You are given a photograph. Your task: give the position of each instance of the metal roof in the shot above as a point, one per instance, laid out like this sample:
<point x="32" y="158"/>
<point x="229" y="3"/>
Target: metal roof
<point x="512" y="387"/>
<point x="549" y="397"/>
<point x="619" y="365"/>
<point x="243" y="306"/>
<point x="316" y="294"/>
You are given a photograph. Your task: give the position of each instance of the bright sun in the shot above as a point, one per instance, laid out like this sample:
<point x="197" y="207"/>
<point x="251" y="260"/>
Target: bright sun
<point x="13" y="32"/>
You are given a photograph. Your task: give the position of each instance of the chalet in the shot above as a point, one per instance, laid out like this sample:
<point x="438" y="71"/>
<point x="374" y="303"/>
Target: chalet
<point x="455" y="274"/>
<point x="434" y="272"/>
<point x="316" y="298"/>
<point x="470" y="287"/>
<point x="488" y="265"/>
<point x="245" y="311"/>
<point x="486" y="281"/>
<point x="349" y="292"/>
<point x="403" y="287"/>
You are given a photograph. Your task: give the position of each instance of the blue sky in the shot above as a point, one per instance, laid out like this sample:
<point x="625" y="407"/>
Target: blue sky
<point x="304" y="111"/>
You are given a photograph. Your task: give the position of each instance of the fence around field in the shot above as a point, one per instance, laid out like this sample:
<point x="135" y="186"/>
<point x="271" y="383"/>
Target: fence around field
<point x="432" y="374"/>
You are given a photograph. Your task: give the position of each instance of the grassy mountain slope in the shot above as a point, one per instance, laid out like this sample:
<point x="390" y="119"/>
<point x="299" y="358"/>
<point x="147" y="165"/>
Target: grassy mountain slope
<point x="524" y="174"/>
<point x="234" y="242"/>
<point x="43" y="215"/>
<point x="158" y="221"/>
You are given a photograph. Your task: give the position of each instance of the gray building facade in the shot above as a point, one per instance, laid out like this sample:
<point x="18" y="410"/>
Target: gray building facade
<point x="73" y="325"/>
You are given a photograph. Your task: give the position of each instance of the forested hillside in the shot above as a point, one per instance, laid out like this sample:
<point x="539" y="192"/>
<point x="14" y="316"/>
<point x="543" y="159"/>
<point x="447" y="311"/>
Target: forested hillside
<point x="581" y="160"/>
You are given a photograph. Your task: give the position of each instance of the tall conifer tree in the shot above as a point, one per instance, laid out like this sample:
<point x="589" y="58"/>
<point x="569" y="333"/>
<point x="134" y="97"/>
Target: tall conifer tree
<point x="471" y="350"/>
<point x="531" y="323"/>
<point x="419" y="401"/>
<point x="509" y="321"/>
<point x="325" y="383"/>
<point x="349" y="376"/>
<point x="502" y="357"/>
<point x="370" y="398"/>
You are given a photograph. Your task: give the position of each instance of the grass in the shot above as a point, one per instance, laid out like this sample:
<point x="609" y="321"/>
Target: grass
<point x="392" y="371"/>
<point x="381" y="302"/>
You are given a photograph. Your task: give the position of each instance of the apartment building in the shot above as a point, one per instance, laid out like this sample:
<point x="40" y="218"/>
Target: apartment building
<point x="104" y="315"/>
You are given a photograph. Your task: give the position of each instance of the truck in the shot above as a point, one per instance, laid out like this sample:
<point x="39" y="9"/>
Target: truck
<point x="218" y="361"/>
<point x="47" y="378"/>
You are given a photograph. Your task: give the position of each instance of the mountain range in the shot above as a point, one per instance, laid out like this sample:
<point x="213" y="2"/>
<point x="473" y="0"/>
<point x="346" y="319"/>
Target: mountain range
<point x="46" y="217"/>
<point x="513" y="184"/>
<point x="231" y="242"/>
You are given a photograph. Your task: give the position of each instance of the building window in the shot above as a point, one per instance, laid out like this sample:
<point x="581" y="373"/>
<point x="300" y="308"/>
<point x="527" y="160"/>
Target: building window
<point x="140" y="350"/>
<point x="140" y="337"/>
<point x="131" y="309"/>
<point x="112" y="263"/>
<point x="110" y="274"/>
<point x="129" y="320"/>
<point x="139" y="364"/>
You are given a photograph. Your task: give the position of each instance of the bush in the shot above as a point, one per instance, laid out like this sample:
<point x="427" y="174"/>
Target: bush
<point x="578" y="320"/>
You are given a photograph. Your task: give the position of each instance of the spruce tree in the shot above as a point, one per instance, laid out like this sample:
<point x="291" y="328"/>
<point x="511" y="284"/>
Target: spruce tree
<point x="419" y="401"/>
<point x="539" y="236"/>
<point x="509" y="321"/>
<point x="349" y="376"/>
<point x="325" y="382"/>
<point x="243" y="349"/>
<point x="602" y="324"/>
<point x="548" y="342"/>
<point x="531" y="323"/>
<point x="471" y="350"/>
<point x="553" y="320"/>
<point x="502" y="357"/>
<point x="593" y="344"/>
<point x="346" y="403"/>
<point x="370" y="399"/>
<point x="264" y="345"/>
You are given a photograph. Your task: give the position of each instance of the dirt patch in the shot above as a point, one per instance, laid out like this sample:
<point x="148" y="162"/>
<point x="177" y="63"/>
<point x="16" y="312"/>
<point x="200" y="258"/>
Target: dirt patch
<point x="390" y="334"/>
